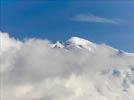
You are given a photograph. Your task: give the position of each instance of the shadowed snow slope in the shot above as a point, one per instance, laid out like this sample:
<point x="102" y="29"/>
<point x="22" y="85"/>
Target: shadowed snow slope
<point x="37" y="69"/>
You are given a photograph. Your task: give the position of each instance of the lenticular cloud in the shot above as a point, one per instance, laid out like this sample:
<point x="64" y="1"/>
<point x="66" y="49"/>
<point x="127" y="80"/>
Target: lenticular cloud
<point x="37" y="69"/>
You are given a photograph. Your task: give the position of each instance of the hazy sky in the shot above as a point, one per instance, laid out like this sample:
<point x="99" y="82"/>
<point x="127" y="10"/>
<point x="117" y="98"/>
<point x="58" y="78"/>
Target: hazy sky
<point x="101" y="21"/>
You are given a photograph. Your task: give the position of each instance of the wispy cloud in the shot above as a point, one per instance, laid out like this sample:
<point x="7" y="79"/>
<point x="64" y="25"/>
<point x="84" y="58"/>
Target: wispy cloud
<point x="91" y="18"/>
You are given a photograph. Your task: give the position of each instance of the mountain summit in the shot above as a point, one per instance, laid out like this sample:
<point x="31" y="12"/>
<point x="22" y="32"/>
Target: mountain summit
<point x="81" y="43"/>
<point x="58" y="45"/>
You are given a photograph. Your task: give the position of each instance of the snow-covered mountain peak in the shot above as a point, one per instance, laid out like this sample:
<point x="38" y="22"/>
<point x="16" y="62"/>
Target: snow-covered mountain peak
<point x="58" y="45"/>
<point x="80" y="43"/>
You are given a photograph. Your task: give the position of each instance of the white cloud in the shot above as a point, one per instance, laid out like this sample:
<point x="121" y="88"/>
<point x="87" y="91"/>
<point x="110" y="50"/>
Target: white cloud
<point x="33" y="70"/>
<point x="90" y="18"/>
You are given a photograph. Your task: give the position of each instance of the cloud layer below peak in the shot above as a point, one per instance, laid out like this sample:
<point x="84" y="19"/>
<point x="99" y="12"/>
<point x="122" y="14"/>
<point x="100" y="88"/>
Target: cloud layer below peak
<point x="39" y="70"/>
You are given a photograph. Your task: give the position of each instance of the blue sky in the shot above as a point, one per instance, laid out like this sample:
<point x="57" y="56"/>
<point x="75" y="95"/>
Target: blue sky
<point x="100" y="21"/>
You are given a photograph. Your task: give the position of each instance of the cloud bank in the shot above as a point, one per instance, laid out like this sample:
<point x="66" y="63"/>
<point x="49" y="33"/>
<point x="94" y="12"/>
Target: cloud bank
<point x="37" y="69"/>
<point x="90" y="18"/>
